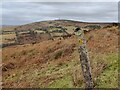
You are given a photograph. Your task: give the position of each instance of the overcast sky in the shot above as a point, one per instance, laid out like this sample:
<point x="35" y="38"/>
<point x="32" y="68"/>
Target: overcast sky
<point x="17" y="13"/>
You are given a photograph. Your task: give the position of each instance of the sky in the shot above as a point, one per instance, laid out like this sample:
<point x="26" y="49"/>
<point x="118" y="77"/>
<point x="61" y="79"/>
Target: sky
<point x="18" y="13"/>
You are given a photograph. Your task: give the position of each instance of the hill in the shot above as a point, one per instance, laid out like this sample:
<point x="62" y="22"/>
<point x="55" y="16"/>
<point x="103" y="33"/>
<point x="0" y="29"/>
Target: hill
<point x="54" y="28"/>
<point x="55" y="64"/>
<point x="55" y="23"/>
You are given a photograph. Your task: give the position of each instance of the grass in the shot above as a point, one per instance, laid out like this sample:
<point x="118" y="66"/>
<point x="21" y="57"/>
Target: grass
<point x="109" y="77"/>
<point x="14" y="76"/>
<point x="57" y="73"/>
<point x="28" y="53"/>
<point x="64" y="82"/>
<point x="60" y="68"/>
<point x="58" y="54"/>
<point x="8" y="36"/>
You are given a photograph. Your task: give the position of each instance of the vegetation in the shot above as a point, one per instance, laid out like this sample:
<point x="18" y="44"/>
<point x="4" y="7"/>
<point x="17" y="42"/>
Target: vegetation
<point x="93" y="27"/>
<point x="55" y="63"/>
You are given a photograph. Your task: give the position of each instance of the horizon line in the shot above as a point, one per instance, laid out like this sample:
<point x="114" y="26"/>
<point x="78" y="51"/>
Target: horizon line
<point x="80" y="21"/>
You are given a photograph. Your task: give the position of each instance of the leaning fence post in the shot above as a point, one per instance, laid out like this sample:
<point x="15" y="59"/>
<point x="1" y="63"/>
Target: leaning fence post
<point x="84" y="59"/>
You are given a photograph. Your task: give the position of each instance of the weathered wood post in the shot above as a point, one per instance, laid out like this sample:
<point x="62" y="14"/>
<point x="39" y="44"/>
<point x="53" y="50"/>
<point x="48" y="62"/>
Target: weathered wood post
<point x="84" y="59"/>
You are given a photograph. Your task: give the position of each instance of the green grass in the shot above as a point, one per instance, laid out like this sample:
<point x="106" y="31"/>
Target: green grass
<point x="60" y="68"/>
<point x="65" y="82"/>
<point x="109" y="77"/>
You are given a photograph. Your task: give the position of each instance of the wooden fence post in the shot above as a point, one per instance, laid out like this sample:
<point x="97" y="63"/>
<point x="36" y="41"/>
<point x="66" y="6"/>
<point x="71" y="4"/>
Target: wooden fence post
<point x="84" y="59"/>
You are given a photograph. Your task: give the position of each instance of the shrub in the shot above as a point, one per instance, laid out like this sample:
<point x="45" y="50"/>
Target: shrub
<point x="58" y="54"/>
<point x="93" y="27"/>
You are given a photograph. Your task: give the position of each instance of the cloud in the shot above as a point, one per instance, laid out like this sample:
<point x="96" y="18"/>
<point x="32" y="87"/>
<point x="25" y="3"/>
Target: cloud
<point x="60" y="0"/>
<point x="26" y="12"/>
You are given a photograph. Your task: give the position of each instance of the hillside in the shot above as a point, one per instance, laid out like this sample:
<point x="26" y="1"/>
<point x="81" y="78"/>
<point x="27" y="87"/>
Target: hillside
<point x="55" y="63"/>
<point x="63" y="23"/>
<point x="54" y="27"/>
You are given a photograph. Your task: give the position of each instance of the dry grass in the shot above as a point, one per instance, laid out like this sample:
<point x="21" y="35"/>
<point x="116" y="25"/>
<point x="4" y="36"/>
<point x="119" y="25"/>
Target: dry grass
<point x="8" y="38"/>
<point x="56" y="63"/>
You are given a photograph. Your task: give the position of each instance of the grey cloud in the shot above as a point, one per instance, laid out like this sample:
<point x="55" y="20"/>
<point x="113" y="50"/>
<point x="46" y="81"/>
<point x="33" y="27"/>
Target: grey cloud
<point x="25" y="12"/>
<point x="61" y="1"/>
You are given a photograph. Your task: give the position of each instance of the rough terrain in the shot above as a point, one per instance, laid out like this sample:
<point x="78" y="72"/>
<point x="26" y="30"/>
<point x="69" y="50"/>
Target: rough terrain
<point x="56" y="64"/>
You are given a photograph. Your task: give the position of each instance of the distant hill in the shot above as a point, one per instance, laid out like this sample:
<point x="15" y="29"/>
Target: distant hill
<point x="53" y="23"/>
